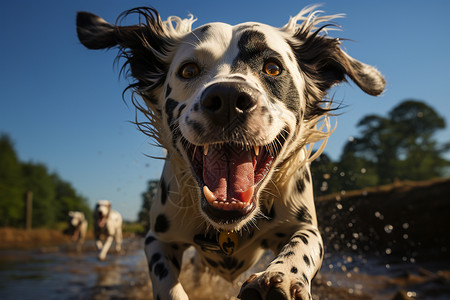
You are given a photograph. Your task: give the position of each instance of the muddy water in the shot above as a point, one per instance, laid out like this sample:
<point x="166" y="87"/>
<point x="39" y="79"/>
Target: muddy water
<point x="62" y="273"/>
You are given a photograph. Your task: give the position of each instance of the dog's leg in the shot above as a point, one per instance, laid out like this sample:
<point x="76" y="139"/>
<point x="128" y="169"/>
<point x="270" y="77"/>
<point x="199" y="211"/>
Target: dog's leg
<point x="289" y="275"/>
<point x="164" y="264"/>
<point x="119" y="240"/>
<point x="106" y="247"/>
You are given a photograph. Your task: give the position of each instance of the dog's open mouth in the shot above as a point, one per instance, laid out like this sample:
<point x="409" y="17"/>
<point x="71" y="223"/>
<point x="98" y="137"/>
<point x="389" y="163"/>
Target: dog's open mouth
<point x="230" y="175"/>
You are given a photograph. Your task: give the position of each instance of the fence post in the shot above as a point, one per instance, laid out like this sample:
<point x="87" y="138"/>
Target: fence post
<point x="29" y="210"/>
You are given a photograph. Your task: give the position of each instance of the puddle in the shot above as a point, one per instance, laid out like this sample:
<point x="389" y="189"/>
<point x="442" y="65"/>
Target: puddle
<point x="61" y="273"/>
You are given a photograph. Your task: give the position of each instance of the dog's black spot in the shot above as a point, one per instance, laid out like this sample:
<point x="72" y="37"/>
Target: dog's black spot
<point x="303" y="237"/>
<point x="280" y="234"/>
<point x="229" y="263"/>
<point x="162" y="224"/>
<point x="303" y="215"/>
<point x="306" y="259"/>
<point x="307" y="176"/>
<point x="155" y="258"/>
<point x="168" y="91"/>
<point x="279" y="262"/>
<point x="305" y="278"/>
<point x="196" y="107"/>
<point x="287" y="254"/>
<point x="180" y="109"/>
<point x="270" y="119"/>
<point x="312" y="260"/>
<point x="320" y="250"/>
<point x="293" y="243"/>
<point x="170" y="107"/>
<point x="294" y="270"/>
<point x="205" y="28"/>
<point x="212" y="263"/>
<point x="164" y="191"/>
<point x="312" y="231"/>
<point x="161" y="271"/>
<point x="300" y="184"/>
<point x="197" y="126"/>
<point x="149" y="240"/>
<point x="175" y="263"/>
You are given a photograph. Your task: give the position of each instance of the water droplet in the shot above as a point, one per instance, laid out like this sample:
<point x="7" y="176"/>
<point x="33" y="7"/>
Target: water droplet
<point x="363" y="171"/>
<point x="388" y="251"/>
<point x="405" y="225"/>
<point x="411" y="294"/>
<point x="405" y="236"/>
<point x="388" y="228"/>
<point x="339" y="206"/>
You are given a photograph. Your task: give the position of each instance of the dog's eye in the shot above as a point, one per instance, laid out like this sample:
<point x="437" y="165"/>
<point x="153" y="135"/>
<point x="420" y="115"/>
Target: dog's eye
<point x="189" y="71"/>
<point x="272" y="69"/>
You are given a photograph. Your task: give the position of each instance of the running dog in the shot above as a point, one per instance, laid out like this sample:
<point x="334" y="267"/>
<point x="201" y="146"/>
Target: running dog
<point x="78" y="228"/>
<point x="107" y="226"/>
<point x="237" y="109"/>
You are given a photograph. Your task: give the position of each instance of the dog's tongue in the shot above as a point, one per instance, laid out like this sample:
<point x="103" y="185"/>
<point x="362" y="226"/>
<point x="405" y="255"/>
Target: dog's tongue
<point x="228" y="173"/>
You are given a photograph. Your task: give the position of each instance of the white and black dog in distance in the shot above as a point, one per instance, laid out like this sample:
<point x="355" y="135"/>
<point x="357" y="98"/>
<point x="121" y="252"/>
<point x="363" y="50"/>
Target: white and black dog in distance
<point x="237" y="109"/>
<point x="78" y="228"/>
<point x="107" y="227"/>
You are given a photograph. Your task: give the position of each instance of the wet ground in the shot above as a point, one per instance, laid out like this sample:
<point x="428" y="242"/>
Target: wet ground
<point x="62" y="273"/>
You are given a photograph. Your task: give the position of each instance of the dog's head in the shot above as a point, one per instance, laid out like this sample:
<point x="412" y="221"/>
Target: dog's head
<point x="101" y="212"/>
<point x="231" y="104"/>
<point x="76" y="218"/>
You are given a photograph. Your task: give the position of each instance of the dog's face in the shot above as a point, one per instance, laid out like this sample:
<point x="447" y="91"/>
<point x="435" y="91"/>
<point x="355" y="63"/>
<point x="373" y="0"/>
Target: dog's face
<point x="231" y="104"/>
<point x="76" y="218"/>
<point x="101" y="212"/>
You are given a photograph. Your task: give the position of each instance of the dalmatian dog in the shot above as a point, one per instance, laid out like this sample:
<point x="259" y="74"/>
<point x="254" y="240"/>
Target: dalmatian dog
<point x="78" y="227"/>
<point x="237" y="109"/>
<point x="107" y="226"/>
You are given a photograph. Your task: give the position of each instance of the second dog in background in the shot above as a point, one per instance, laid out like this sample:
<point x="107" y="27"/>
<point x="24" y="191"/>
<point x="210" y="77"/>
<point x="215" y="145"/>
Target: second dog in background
<point x="107" y="227"/>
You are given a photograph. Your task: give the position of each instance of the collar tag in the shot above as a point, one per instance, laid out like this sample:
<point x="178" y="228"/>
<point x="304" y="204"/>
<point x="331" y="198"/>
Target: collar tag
<point x="228" y="242"/>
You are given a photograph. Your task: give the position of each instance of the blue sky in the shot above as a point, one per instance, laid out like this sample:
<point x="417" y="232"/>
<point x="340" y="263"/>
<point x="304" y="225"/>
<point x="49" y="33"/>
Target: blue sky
<point x="62" y="105"/>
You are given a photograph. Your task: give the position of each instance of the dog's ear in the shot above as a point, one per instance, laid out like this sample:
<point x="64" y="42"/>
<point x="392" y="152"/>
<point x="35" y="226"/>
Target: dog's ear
<point x="144" y="46"/>
<point x="94" y="32"/>
<point x="326" y="64"/>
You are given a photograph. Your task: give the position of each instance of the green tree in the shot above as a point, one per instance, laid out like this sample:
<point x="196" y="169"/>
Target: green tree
<point x="399" y="146"/>
<point x="12" y="192"/>
<point x="147" y="199"/>
<point x="38" y="181"/>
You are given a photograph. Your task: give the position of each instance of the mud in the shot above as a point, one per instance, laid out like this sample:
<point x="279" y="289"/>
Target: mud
<point x="59" y="272"/>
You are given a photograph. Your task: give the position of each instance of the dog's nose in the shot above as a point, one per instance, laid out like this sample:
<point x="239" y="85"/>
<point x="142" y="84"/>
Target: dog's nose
<point x="224" y="102"/>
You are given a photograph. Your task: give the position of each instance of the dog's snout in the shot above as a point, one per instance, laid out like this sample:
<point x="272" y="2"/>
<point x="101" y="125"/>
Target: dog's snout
<point x="223" y="102"/>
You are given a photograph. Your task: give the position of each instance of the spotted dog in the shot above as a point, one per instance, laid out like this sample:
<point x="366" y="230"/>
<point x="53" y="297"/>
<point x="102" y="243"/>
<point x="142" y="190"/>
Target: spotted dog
<point x="78" y="227"/>
<point x="237" y="109"/>
<point x="107" y="227"/>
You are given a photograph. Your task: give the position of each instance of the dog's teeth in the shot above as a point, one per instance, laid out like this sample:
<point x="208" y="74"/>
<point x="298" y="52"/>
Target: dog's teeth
<point x="208" y="194"/>
<point x="256" y="150"/>
<point x="205" y="149"/>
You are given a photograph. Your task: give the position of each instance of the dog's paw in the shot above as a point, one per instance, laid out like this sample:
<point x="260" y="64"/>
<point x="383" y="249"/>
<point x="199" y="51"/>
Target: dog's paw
<point x="273" y="286"/>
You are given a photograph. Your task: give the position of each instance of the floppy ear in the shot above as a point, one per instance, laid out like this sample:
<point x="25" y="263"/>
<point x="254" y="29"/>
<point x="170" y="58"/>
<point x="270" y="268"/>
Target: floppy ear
<point x="144" y="46"/>
<point x="326" y="64"/>
<point x="94" y="32"/>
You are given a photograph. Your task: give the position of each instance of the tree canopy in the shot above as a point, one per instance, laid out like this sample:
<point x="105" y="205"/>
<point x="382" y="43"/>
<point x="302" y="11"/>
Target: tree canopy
<point x="399" y="146"/>
<point x="53" y="197"/>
